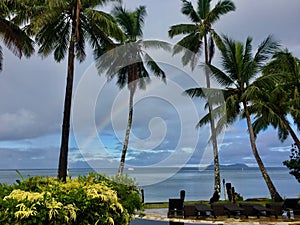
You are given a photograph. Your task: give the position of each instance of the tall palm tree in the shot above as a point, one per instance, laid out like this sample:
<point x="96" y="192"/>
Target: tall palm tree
<point x="200" y="33"/>
<point x="63" y="27"/>
<point x="282" y="99"/>
<point x="243" y="87"/>
<point x="14" y="38"/>
<point x="129" y="60"/>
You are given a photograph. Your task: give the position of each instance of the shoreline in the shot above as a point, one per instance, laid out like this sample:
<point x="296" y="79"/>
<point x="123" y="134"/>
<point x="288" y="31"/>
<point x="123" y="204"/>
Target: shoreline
<point x="160" y="214"/>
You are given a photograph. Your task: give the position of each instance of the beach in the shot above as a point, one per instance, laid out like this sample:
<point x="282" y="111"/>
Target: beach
<point x="159" y="217"/>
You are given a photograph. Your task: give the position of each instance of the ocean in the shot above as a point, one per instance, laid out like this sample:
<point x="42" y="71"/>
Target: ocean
<point x="160" y="184"/>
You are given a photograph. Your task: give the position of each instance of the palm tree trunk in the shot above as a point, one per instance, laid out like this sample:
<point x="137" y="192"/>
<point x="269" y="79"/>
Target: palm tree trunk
<point x="128" y="129"/>
<point x="63" y="157"/>
<point x="291" y="131"/>
<point x="273" y="192"/>
<point x="217" y="180"/>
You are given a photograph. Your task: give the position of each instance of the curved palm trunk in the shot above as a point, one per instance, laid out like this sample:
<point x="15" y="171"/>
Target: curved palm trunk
<point x="291" y="131"/>
<point x="217" y="180"/>
<point x="128" y="129"/>
<point x="63" y="157"/>
<point x="273" y="192"/>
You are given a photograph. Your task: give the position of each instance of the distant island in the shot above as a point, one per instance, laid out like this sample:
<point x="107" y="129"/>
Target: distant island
<point x="231" y="166"/>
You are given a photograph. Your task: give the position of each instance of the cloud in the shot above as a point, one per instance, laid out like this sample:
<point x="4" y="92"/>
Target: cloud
<point x="18" y="124"/>
<point x="32" y="95"/>
<point x="33" y="158"/>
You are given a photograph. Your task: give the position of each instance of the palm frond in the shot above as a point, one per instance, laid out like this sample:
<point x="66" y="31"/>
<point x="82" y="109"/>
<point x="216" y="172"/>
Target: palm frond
<point x="180" y="29"/>
<point x="15" y="39"/>
<point x="188" y="9"/>
<point x="195" y="92"/>
<point x="140" y="17"/>
<point x="211" y="47"/>
<point x="104" y="23"/>
<point x="190" y="45"/>
<point x="265" y="50"/>
<point x="156" y="44"/>
<point x="54" y="38"/>
<point x="203" y="8"/>
<point x="154" y="67"/>
<point x="204" y="121"/>
<point x="222" y="78"/>
<point x="221" y="8"/>
<point x="125" y="19"/>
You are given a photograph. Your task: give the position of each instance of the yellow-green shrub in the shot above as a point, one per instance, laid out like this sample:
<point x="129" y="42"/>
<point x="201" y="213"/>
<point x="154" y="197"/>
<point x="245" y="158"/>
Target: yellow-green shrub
<point x="89" y="199"/>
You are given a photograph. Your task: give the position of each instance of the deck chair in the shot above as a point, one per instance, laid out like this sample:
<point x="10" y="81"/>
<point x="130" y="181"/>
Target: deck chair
<point x="175" y="208"/>
<point x="276" y="207"/>
<point x="257" y="210"/>
<point x="189" y="210"/>
<point x="291" y="204"/>
<point x="233" y="209"/>
<point x="218" y="210"/>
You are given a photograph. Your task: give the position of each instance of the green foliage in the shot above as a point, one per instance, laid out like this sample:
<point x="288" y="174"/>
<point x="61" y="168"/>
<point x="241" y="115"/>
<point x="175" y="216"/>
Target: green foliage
<point x="294" y="163"/>
<point x="238" y="197"/>
<point x="92" y="199"/>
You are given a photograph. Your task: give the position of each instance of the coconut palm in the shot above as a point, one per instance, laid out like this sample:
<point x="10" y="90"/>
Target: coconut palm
<point x="199" y="35"/>
<point x="14" y="38"/>
<point x="282" y="99"/>
<point x="63" y="27"/>
<point x="129" y="61"/>
<point x="243" y="86"/>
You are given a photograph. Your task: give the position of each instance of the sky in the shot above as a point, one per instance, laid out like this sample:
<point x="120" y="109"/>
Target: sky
<point x="163" y="133"/>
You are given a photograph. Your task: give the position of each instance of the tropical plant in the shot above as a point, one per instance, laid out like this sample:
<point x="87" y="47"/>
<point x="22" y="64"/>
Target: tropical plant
<point x="282" y="99"/>
<point x="63" y="27"/>
<point x="92" y="199"/>
<point x="129" y="61"/>
<point x="14" y="38"/>
<point x="200" y="33"/>
<point x="294" y="163"/>
<point x="243" y="86"/>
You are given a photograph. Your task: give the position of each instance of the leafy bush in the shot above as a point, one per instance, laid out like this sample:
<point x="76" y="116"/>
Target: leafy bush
<point x="294" y="163"/>
<point x="92" y="199"/>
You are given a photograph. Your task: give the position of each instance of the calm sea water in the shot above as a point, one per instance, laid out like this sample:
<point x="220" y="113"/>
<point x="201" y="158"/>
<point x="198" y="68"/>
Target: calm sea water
<point x="198" y="184"/>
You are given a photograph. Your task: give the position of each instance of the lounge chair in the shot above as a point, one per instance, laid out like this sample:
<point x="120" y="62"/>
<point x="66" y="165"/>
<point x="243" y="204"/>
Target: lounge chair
<point x="276" y="207"/>
<point x="203" y="210"/>
<point x="218" y="210"/>
<point x="289" y="204"/>
<point x="189" y="210"/>
<point x="257" y="210"/>
<point x="233" y="209"/>
<point x="175" y="208"/>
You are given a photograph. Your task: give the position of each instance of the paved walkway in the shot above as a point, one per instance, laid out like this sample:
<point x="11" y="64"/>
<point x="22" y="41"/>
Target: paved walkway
<point x="161" y="215"/>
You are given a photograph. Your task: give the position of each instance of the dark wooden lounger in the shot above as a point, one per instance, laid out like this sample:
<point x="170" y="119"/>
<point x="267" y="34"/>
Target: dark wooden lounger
<point x="257" y="210"/>
<point x="175" y="208"/>
<point x="233" y="209"/>
<point x="203" y="210"/>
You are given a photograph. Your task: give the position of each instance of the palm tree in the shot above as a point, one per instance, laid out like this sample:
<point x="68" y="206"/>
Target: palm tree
<point x="200" y="33"/>
<point x="62" y="27"/>
<point x="14" y="38"/>
<point x="282" y="99"/>
<point x="243" y="87"/>
<point x="129" y="60"/>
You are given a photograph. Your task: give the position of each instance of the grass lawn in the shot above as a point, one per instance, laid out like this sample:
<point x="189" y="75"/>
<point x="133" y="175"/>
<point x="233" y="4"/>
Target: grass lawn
<point x="157" y="205"/>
